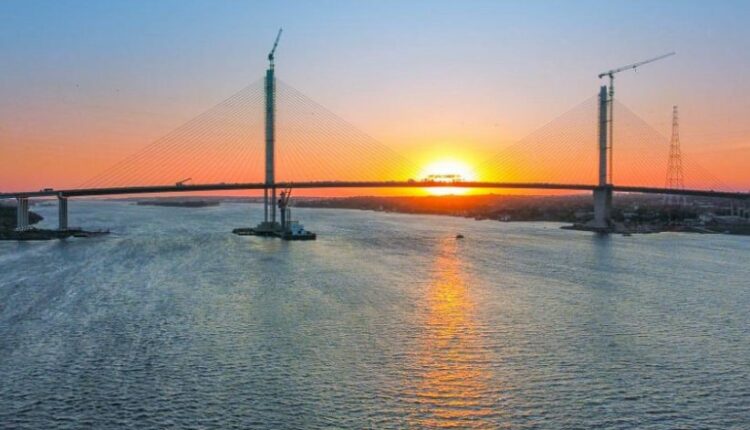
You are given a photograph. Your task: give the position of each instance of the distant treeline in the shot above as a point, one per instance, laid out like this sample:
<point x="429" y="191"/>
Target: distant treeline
<point x="569" y="208"/>
<point x="180" y="203"/>
<point x="501" y="207"/>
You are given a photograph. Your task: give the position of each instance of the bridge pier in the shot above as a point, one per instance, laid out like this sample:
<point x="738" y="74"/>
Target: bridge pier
<point x="62" y="212"/>
<point x="738" y="208"/>
<point x="22" y="214"/>
<point x="603" y="207"/>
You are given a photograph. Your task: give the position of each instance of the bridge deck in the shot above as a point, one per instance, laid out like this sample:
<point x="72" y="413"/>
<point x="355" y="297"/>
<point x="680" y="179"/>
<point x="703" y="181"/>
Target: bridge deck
<point x="154" y="189"/>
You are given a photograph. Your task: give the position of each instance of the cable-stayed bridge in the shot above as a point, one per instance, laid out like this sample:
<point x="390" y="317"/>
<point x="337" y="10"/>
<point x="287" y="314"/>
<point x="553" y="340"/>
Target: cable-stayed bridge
<point x="270" y="136"/>
<point x="156" y="189"/>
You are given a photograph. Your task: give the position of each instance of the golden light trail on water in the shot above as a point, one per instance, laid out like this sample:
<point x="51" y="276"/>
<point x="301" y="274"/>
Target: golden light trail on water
<point x="453" y="382"/>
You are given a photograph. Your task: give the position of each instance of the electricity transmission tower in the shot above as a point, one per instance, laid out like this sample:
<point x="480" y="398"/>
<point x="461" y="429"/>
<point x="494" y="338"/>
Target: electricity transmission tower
<point x="675" y="177"/>
<point x="610" y="119"/>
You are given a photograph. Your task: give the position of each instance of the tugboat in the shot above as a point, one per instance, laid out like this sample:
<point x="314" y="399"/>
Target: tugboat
<point x="296" y="231"/>
<point x="290" y="229"/>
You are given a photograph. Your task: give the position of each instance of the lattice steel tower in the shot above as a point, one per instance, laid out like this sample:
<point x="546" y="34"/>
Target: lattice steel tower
<point x="675" y="177"/>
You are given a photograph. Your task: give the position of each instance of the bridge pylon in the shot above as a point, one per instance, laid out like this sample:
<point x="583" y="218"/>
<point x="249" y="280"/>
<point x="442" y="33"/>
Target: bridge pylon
<point x="286" y="229"/>
<point x="603" y="191"/>
<point x="269" y="224"/>
<point x="269" y="194"/>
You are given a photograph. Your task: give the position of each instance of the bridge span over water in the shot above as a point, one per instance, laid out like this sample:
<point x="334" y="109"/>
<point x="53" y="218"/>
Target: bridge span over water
<point x="186" y="188"/>
<point x="156" y="160"/>
<point x="602" y="194"/>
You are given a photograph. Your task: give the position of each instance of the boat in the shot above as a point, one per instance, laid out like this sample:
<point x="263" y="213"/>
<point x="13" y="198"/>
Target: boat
<point x="296" y="231"/>
<point x="287" y="229"/>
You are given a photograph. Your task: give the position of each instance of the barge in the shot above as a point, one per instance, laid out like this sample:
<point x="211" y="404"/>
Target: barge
<point x="287" y="229"/>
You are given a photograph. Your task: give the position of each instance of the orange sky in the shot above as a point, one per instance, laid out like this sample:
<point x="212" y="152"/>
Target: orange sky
<point x="65" y="148"/>
<point x="501" y="88"/>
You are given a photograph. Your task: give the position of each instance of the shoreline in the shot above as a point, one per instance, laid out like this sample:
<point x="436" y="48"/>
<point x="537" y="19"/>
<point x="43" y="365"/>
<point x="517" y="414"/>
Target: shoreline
<point x="35" y="234"/>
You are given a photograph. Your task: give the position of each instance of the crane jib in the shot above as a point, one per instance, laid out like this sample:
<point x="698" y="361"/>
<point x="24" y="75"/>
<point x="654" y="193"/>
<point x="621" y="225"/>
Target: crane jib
<point x="635" y="65"/>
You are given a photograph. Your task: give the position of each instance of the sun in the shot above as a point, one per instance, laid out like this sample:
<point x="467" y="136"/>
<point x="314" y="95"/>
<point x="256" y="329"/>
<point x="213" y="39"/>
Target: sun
<point x="448" y="170"/>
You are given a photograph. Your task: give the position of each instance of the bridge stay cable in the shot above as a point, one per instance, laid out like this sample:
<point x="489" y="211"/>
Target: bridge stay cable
<point x="183" y="146"/>
<point x="225" y="144"/>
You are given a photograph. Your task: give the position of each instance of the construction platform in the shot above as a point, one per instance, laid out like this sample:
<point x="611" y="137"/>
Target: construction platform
<point x="293" y="231"/>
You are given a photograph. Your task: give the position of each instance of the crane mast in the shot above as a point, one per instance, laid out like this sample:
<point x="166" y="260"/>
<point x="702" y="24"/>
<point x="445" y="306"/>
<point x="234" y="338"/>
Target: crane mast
<point x="611" y="74"/>
<point x="284" y="210"/>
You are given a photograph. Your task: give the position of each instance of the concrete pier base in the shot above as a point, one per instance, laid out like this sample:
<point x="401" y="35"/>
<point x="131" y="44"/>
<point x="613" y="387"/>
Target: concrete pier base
<point x="62" y="213"/>
<point x="22" y="214"/>
<point x="603" y="208"/>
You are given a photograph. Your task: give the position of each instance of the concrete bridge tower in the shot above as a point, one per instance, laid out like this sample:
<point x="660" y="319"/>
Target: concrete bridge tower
<point x="603" y="191"/>
<point x="269" y="191"/>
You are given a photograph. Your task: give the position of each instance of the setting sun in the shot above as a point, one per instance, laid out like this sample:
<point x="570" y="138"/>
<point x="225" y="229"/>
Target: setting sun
<point x="448" y="171"/>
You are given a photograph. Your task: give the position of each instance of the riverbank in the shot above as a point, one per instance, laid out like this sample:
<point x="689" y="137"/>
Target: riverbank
<point x="628" y="230"/>
<point x="632" y="214"/>
<point x="35" y="234"/>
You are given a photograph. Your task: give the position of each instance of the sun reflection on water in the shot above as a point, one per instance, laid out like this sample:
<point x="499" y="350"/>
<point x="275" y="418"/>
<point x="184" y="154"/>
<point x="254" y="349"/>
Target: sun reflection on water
<point x="451" y="389"/>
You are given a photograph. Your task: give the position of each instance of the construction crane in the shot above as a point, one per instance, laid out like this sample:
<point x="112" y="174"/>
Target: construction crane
<point x="611" y="74"/>
<point x="182" y="182"/>
<point x="284" y="207"/>
<point x="273" y="50"/>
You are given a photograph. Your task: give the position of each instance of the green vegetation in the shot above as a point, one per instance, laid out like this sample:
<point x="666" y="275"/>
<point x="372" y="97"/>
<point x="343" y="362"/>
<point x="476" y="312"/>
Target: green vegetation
<point x="8" y="217"/>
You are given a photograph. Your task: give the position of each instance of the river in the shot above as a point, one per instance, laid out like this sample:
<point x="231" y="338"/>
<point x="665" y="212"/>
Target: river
<point x="386" y="321"/>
